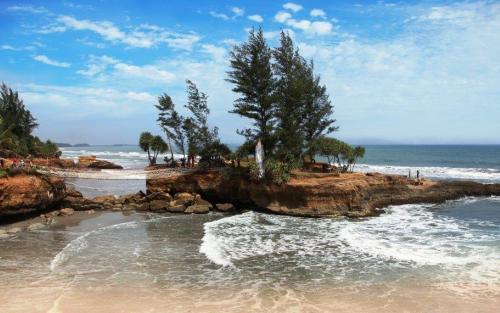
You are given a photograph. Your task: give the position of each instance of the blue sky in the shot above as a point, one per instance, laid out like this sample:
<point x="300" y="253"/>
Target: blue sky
<point x="398" y="72"/>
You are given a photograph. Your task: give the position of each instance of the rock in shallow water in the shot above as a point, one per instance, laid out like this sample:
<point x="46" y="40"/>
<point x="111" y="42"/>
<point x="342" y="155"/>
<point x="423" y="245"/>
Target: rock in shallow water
<point x="225" y="207"/>
<point x="197" y="209"/>
<point x="67" y="211"/>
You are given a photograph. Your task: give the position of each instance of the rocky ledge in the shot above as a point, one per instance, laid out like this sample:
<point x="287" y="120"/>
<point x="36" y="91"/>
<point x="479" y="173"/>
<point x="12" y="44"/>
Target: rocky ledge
<point x="25" y="194"/>
<point x="317" y="194"/>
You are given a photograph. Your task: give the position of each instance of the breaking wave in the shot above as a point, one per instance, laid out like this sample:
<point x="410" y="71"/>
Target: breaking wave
<point x="477" y="174"/>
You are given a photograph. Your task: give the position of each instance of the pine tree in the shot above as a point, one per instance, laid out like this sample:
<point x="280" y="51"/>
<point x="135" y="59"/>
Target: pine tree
<point x="197" y="104"/>
<point x="289" y="93"/>
<point x="252" y="76"/>
<point x="318" y="110"/>
<point x="171" y="123"/>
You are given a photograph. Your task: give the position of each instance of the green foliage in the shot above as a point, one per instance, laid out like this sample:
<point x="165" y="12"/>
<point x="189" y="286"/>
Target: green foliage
<point x="277" y="172"/>
<point x="339" y="152"/>
<point x="145" y="144"/>
<point x="252" y="76"/>
<point x="16" y="127"/>
<point x="214" y="154"/>
<point x="171" y="122"/>
<point x="281" y="94"/>
<point x="153" y="145"/>
<point x="158" y="145"/>
<point x="190" y="134"/>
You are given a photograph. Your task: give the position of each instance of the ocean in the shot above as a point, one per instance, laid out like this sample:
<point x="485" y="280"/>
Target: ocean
<point x="414" y="258"/>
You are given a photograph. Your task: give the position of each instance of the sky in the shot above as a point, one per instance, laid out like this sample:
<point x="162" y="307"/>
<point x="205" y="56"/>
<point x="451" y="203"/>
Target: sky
<point x="413" y="72"/>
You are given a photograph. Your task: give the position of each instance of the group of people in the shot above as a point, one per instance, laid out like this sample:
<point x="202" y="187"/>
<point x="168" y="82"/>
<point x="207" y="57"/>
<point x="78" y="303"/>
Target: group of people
<point x="16" y="163"/>
<point x="418" y="175"/>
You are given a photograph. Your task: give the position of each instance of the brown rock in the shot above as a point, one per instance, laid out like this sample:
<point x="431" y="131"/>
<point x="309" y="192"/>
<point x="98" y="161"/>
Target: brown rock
<point x="159" y="196"/>
<point x="25" y="193"/>
<point x="89" y="212"/>
<point x="143" y="206"/>
<point x="176" y="209"/>
<point x="197" y="209"/>
<point x="158" y="205"/>
<point x="104" y="199"/>
<point x="225" y="207"/>
<point x="92" y="162"/>
<point x="67" y="211"/>
<point x="318" y="194"/>
<point x="183" y="198"/>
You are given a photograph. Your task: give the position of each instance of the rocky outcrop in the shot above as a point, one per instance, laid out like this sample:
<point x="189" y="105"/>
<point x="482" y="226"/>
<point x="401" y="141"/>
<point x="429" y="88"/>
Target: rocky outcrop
<point x="25" y="194"/>
<point x="93" y="163"/>
<point x="318" y="194"/>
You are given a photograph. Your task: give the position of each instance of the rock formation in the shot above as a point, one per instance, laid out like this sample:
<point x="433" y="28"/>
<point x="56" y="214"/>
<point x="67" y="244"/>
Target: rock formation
<point x="316" y="194"/>
<point x="25" y="194"/>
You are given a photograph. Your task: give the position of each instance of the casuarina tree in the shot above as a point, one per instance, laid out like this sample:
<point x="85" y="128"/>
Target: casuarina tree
<point x="252" y="77"/>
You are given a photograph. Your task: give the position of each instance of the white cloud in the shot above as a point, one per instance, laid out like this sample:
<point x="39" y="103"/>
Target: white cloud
<point x="237" y="12"/>
<point x="317" y="13"/>
<point x="320" y="28"/>
<point x="105" y="65"/>
<point x="256" y="18"/>
<point x="282" y="16"/>
<point x="78" y="102"/>
<point x="7" y="47"/>
<point x="434" y="78"/>
<point x="217" y="53"/>
<point x="314" y="28"/>
<point x="28" y="9"/>
<point x="44" y="59"/>
<point x="219" y="15"/>
<point x="292" y="6"/>
<point x="144" y="36"/>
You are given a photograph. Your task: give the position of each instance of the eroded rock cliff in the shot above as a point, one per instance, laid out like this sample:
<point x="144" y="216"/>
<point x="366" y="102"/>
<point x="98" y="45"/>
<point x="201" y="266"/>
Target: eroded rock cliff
<point x="25" y="194"/>
<point x="307" y="194"/>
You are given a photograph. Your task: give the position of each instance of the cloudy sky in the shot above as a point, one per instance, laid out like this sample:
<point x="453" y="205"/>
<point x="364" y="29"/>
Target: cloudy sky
<point x="398" y="72"/>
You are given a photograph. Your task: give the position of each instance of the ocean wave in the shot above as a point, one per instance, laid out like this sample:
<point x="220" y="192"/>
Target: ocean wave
<point x="407" y="238"/>
<point x="477" y="174"/>
<point x="80" y="243"/>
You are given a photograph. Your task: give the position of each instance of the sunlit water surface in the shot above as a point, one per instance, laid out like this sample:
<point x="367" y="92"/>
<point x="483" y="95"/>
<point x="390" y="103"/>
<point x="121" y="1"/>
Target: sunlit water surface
<point x="415" y="258"/>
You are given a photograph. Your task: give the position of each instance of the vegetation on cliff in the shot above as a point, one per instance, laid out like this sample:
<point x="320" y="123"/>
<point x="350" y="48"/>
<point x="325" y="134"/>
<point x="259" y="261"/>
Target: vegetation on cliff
<point x="16" y="127"/>
<point x="153" y="145"/>
<point x="279" y="92"/>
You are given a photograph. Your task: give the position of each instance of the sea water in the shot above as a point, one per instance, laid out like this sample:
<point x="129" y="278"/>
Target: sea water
<point x="414" y="258"/>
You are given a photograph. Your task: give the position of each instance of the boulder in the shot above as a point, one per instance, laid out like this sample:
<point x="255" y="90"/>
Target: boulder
<point x="67" y="211"/>
<point x="176" y="208"/>
<point x="29" y="193"/>
<point x="159" y="205"/>
<point x="104" y="199"/>
<point x="143" y="206"/>
<point x="183" y="198"/>
<point x="92" y="162"/>
<point x="90" y="211"/>
<point x="200" y="201"/>
<point x="225" y="207"/>
<point x="197" y="209"/>
<point x="159" y="196"/>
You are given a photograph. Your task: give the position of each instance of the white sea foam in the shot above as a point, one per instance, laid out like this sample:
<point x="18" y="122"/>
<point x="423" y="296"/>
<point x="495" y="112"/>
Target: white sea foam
<point x="408" y="237"/>
<point x="478" y="174"/>
<point x="80" y="243"/>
